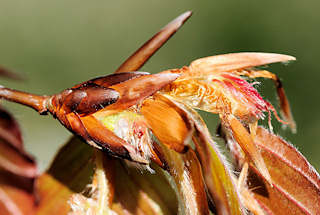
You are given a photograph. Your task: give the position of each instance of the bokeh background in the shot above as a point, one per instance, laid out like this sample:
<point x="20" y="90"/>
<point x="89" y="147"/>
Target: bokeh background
<point x="56" y="44"/>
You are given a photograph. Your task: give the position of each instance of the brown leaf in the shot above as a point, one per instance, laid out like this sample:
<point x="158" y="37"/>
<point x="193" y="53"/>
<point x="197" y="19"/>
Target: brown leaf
<point x="141" y="56"/>
<point x="16" y="161"/>
<point x="13" y="158"/>
<point x="15" y="201"/>
<point x="17" y="170"/>
<point x="10" y="129"/>
<point x="296" y="184"/>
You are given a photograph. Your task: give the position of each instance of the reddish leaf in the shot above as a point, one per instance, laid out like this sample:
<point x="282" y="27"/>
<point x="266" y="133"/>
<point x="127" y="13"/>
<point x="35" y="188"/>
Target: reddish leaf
<point x="13" y="158"/>
<point x="16" y="161"/>
<point x="9" y="129"/>
<point x="15" y="201"/>
<point x="17" y="170"/>
<point x="296" y="184"/>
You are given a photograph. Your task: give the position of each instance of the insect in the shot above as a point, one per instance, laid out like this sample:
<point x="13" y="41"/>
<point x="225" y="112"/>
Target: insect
<point x="108" y="112"/>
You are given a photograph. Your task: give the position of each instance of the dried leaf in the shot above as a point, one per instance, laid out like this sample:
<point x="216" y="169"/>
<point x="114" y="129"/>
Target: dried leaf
<point x="109" y="80"/>
<point x="219" y="178"/>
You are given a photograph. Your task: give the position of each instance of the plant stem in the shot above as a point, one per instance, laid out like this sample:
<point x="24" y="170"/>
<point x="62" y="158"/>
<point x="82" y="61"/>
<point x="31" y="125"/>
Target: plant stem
<point x="38" y="103"/>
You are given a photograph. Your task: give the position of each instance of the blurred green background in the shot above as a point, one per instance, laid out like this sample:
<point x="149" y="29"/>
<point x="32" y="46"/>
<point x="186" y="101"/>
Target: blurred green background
<point x="56" y="44"/>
